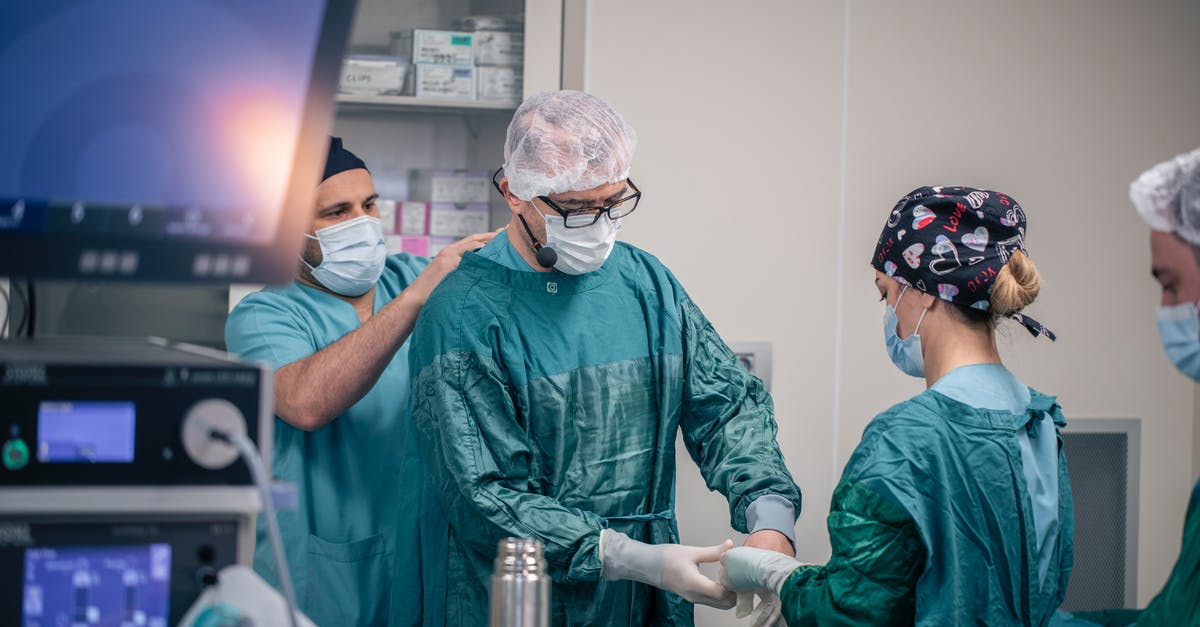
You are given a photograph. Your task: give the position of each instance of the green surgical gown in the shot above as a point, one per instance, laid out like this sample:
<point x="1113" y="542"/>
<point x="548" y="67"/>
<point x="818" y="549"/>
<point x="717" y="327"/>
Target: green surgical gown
<point x="1179" y="601"/>
<point x="932" y="524"/>
<point x="548" y="407"/>
<point x="1176" y="605"/>
<point x="357" y="545"/>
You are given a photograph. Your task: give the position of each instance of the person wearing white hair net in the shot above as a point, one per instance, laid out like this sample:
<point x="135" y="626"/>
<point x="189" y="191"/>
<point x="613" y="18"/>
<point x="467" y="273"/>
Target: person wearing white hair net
<point x="555" y="369"/>
<point x="1168" y="198"/>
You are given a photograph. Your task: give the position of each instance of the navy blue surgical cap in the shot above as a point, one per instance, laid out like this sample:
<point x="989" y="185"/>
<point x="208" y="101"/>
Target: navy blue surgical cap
<point x="340" y="159"/>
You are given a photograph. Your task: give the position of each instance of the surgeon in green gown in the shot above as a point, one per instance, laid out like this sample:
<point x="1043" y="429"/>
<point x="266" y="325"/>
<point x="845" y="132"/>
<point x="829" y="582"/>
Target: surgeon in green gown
<point x="553" y="372"/>
<point x="955" y="507"/>
<point x="357" y="543"/>
<point x="1167" y="196"/>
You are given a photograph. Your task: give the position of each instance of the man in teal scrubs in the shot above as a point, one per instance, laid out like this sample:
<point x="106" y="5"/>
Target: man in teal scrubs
<point x="550" y="387"/>
<point x="357" y="544"/>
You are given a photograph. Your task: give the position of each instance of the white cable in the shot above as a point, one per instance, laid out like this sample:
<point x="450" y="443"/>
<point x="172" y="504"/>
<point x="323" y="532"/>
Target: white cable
<point x="4" y="293"/>
<point x="250" y="454"/>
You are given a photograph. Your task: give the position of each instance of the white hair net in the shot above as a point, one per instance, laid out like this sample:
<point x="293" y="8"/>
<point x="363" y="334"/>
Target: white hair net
<point x="1168" y="196"/>
<point x="566" y="141"/>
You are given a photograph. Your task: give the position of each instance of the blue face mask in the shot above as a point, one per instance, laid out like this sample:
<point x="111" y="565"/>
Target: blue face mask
<point x="353" y="254"/>
<point x="905" y="353"/>
<point x="1179" y="331"/>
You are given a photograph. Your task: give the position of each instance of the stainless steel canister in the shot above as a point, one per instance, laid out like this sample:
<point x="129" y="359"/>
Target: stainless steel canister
<point x="520" y="585"/>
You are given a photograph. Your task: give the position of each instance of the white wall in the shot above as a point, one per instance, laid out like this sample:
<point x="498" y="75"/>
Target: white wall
<point x="741" y="111"/>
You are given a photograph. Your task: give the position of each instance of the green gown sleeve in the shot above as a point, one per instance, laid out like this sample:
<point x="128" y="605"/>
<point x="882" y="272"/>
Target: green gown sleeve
<point x="871" y="579"/>
<point x="728" y="422"/>
<point x="481" y="459"/>
<point x="1179" y="601"/>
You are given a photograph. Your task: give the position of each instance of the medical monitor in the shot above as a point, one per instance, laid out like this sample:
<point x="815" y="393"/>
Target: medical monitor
<point x="97" y="585"/>
<point x="172" y="141"/>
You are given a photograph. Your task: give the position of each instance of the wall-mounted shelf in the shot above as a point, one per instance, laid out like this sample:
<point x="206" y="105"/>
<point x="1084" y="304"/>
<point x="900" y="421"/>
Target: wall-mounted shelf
<point x="350" y="103"/>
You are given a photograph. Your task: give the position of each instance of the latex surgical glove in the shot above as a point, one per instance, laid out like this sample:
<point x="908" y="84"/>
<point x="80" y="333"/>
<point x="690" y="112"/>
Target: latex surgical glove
<point x="746" y="569"/>
<point x="767" y="613"/>
<point x="671" y="567"/>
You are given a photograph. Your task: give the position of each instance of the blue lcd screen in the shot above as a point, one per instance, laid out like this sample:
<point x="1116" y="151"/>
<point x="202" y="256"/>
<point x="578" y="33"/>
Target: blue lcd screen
<point x="97" y="585"/>
<point x="86" y="432"/>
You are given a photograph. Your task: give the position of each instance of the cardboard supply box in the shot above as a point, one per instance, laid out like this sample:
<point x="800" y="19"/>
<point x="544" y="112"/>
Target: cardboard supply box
<point x="373" y="75"/>
<point x="436" y="47"/>
<point x="412" y="218"/>
<point x="445" y="185"/>
<point x="499" y="48"/>
<point x="387" y="215"/>
<point x="444" y="81"/>
<point x="499" y="83"/>
<point x="447" y="219"/>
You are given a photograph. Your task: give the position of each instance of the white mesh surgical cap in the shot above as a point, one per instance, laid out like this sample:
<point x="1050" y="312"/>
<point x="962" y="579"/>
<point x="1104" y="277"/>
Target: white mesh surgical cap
<point x="1168" y="196"/>
<point x="566" y="141"/>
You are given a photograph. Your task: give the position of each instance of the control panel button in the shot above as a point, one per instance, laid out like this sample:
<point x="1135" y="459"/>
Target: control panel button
<point x="16" y="454"/>
<point x="199" y="422"/>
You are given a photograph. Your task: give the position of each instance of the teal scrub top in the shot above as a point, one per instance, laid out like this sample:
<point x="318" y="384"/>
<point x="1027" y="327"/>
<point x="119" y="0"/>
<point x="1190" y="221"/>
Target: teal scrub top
<point x="356" y="544"/>
<point x="548" y="406"/>
<point x="501" y="251"/>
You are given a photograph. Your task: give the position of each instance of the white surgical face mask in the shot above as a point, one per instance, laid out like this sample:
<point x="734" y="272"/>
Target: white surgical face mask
<point x="1179" y="332"/>
<point x="905" y="353"/>
<point x="352" y="256"/>
<point x="584" y="249"/>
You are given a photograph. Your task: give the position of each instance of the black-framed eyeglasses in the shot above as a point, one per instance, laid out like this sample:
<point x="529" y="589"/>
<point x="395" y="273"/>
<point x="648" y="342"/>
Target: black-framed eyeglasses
<point x="587" y="216"/>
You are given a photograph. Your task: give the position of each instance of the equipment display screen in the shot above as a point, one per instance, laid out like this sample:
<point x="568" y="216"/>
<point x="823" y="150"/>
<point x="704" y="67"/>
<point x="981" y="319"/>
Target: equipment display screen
<point x="97" y="585"/>
<point x="177" y="120"/>
<point x="172" y="141"/>
<point x="85" y="432"/>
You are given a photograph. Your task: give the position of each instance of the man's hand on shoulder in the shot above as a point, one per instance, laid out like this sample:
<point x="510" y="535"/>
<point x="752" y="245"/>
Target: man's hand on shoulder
<point x="445" y="262"/>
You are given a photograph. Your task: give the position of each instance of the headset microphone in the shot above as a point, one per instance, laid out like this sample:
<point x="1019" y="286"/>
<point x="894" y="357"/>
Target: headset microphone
<point x="545" y="255"/>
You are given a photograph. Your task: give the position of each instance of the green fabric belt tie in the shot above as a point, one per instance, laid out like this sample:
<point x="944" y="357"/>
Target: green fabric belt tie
<point x="665" y="515"/>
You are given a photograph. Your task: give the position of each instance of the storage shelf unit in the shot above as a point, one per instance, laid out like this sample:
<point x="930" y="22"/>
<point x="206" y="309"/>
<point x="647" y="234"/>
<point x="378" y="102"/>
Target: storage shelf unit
<point x="350" y="103"/>
<point x="395" y="134"/>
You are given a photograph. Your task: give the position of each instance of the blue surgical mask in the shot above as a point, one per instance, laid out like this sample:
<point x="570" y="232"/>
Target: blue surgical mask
<point x="905" y="353"/>
<point x="1179" y="331"/>
<point x="352" y="256"/>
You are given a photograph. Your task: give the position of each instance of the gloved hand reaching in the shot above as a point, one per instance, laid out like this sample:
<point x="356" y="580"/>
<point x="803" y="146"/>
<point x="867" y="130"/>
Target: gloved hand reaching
<point x="766" y="614"/>
<point x="749" y="572"/>
<point x="671" y="567"/>
<point x="747" y="569"/>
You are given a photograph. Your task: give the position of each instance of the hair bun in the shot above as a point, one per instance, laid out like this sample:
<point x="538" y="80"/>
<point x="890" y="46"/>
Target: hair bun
<point x="1017" y="285"/>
